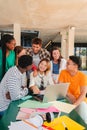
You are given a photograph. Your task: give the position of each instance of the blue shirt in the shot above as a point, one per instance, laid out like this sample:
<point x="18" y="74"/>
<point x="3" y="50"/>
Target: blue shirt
<point x="55" y="68"/>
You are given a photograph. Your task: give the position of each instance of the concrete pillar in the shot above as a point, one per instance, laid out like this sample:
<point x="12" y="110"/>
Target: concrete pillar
<point x="63" y="44"/>
<point x="17" y="33"/>
<point x="67" y="42"/>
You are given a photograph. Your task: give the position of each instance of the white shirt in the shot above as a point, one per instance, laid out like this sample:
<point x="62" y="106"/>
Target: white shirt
<point x="36" y="81"/>
<point x="12" y="83"/>
<point x="36" y="59"/>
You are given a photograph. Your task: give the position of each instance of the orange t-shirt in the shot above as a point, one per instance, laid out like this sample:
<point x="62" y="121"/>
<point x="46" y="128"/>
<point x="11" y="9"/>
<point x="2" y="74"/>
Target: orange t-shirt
<point x="77" y="81"/>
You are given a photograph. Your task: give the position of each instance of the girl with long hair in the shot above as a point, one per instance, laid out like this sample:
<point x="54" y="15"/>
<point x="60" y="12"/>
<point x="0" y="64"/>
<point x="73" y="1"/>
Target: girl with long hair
<point x="58" y="63"/>
<point x="42" y="78"/>
<point x="7" y="55"/>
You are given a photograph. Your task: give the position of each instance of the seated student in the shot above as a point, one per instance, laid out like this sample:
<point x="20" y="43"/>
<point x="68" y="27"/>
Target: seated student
<point x="19" y="51"/>
<point x="11" y="85"/>
<point x="78" y="85"/>
<point x="42" y="78"/>
<point x="58" y="63"/>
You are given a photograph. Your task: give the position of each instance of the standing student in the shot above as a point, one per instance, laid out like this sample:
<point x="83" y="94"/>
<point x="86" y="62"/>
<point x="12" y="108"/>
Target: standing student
<point x="37" y="52"/>
<point x="58" y="63"/>
<point x="7" y="55"/>
<point x="78" y="85"/>
<point x="42" y="78"/>
<point x="11" y="85"/>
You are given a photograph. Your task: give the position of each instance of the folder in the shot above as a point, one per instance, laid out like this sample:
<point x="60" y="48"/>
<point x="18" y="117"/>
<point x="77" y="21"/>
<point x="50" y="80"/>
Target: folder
<point x="57" y="124"/>
<point x="34" y="104"/>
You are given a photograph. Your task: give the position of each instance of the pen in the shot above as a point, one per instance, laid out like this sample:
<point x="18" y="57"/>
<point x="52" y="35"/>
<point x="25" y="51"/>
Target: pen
<point x="59" y="114"/>
<point x="30" y="124"/>
<point x="64" y="125"/>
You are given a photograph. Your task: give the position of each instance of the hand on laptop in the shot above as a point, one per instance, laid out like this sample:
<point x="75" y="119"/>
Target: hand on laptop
<point x="35" y="90"/>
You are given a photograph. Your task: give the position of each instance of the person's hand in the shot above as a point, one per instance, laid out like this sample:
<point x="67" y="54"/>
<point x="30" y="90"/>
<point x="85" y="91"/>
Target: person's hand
<point x="71" y="97"/>
<point x="8" y="95"/>
<point x="35" y="90"/>
<point x="34" y="67"/>
<point x="23" y="87"/>
<point x="35" y="73"/>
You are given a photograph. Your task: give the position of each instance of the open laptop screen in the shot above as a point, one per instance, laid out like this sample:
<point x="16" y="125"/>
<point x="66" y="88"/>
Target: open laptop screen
<point x="56" y="91"/>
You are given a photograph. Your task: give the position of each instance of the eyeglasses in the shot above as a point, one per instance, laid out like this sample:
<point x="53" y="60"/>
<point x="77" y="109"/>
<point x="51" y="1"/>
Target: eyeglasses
<point x="70" y="63"/>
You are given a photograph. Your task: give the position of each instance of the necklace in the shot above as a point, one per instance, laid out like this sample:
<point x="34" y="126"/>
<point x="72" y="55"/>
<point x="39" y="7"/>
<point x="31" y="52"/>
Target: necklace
<point x="42" y="82"/>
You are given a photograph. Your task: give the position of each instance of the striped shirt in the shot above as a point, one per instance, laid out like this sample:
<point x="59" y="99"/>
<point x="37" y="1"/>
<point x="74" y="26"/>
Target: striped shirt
<point x="12" y="82"/>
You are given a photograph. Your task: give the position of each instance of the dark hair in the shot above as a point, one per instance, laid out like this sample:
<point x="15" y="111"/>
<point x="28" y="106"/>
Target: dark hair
<point x="18" y="49"/>
<point x="7" y="38"/>
<point x="76" y="60"/>
<point x="60" y="57"/>
<point x="25" y="61"/>
<point x="37" y="41"/>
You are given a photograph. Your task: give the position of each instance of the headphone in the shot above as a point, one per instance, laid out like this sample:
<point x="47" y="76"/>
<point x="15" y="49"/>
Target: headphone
<point x="51" y="115"/>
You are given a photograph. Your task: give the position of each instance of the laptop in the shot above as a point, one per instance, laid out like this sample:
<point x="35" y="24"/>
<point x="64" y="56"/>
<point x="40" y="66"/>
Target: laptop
<point x="54" y="92"/>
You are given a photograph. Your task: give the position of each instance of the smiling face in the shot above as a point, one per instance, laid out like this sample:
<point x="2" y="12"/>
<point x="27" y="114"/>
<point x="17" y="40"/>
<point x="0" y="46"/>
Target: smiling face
<point x="71" y="66"/>
<point x="43" y="66"/>
<point x="36" y="48"/>
<point x="11" y="45"/>
<point x="55" y="54"/>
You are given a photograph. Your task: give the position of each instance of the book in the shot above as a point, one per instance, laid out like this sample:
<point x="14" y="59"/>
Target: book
<point x="62" y="122"/>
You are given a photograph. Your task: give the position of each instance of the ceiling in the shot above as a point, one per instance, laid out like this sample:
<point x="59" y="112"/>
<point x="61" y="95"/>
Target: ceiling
<point x="48" y="17"/>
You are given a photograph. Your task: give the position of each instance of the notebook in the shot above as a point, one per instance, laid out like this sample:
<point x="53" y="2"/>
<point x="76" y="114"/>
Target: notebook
<point x="53" y="92"/>
<point x="58" y="124"/>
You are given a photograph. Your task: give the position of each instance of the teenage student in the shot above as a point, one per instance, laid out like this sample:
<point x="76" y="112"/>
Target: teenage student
<point x="19" y="51"/>
<point x="7" y="54"/>
<point x="43" y="77"/>
<point x="11" y="87"/>
<point x="78" y="85"/>
<point x="58" y="63"/>
<point x="37" y="52"/>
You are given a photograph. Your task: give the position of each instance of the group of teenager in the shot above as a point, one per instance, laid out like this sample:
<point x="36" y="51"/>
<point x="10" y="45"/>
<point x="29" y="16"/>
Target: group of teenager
<point x="42" y="68"/>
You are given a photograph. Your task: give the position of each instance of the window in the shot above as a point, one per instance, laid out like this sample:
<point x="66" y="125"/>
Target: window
<point x="81" y="50"/>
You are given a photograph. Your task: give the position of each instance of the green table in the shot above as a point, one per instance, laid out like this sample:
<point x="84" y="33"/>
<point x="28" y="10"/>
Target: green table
<point x="11" y="113"/>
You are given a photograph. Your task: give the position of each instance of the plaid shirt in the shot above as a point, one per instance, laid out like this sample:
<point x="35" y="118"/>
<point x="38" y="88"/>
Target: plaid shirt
<point x="43" y="53"/>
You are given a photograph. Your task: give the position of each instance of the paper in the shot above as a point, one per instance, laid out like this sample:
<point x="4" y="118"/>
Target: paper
<point x="22" y="115"/>
<point x="34" y="104"/>
<point x="62" y="106"/>
<point x="26" y="97"/>
<point x="57" y="124"/>
<point x="27" y="110"/>
<point x="25" y="113"/>
<point x="20" y="125"/>
<point x="49" y="109"/>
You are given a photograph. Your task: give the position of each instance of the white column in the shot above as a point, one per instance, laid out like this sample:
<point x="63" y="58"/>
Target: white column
<point x="64" y="44"/>
<point x="17" y="33"/>
<point x="70" y="41"/>
<point x="67" y="42"/>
